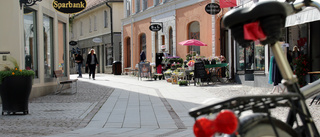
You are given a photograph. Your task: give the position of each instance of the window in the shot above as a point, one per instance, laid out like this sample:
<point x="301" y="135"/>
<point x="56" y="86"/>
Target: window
<point x="30" y="41"/>
<point x="105" y="19"/>
<point x="62" y="47"/>
<point x="194" y="33"/>
<point x="109" y="57"/>
<point x="240" y="58"/>
<point x="95" y="23"/>
<point x="156" y="2"/>
<point x="259" y="57"/>
<point x="137" y="6"/>
<point x="143" y="45"/>
<point x="48" y="46"/>
<point x="163" y="40"/>
<point x="251" y="57"/>
<point x="128" y="52"/>
<point x="145" y="4"/>
<point x="128" y="7"/>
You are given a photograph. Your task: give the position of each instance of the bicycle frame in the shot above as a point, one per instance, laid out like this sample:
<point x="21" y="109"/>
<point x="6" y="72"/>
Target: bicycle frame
<point x="295" y="100"/>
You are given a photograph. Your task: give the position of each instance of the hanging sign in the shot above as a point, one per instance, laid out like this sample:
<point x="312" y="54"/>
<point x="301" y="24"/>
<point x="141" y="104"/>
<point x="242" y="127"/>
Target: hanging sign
<point x="69" y="6"/>
<point x="155" y="27"/>
<point x="73" y="43"/>
<point x="213" y="8"/>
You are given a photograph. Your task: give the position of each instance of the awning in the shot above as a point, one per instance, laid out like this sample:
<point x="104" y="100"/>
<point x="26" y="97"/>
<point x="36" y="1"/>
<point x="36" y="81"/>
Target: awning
<point x="309" y="14"/>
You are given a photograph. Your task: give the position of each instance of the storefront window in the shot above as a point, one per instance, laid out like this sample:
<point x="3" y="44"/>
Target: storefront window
<point x="30" y="41"/>
<point x="109" y="54"/>
<point x="240" y="58"/>
<point x="48" y="46"/>
<point x="259" y="57"/>
<point x="62" y="47"/>
<point x="251" y="57"/>
<point x="298" y="36"/>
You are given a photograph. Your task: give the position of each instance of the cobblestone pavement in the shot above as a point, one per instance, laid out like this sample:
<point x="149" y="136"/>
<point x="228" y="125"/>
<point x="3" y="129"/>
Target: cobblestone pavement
<point x="59" y="114"/>
<point x="54" y="114"/>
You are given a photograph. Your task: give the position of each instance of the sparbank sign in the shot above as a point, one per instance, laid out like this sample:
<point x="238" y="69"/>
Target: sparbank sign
<point x="69" y="6"/>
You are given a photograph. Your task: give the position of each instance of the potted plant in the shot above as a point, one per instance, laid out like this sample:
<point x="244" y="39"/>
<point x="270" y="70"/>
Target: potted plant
<point x="183" y="83"/>
<point x="15" y="88"/>
<point x="167" y="74"/>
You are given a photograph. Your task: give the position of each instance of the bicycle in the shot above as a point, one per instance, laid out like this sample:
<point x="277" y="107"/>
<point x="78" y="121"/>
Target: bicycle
<point x="299" y="123"/>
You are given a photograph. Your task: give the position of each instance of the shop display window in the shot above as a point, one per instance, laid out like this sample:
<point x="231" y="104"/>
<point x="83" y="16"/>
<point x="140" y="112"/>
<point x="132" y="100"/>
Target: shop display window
<point x="30" y="40"/>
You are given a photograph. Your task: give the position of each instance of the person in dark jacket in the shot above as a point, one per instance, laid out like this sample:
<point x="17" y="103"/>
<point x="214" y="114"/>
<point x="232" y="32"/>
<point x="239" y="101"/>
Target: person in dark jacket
<point x="92" y="62"/>
<point x="79" y="60"/>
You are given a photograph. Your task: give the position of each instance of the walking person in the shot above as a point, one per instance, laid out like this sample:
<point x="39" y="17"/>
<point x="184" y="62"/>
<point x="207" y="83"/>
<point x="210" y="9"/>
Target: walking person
<point x="79" y="60"/>
<point x="92" y="62"/>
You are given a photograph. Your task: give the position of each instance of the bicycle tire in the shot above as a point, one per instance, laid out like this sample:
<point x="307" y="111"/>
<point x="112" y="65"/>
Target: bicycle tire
<point x="259" y="125"/>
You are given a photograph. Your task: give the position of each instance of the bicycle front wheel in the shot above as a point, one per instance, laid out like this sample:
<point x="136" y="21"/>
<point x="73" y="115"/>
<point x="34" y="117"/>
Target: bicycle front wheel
<point x="259" y="125"/>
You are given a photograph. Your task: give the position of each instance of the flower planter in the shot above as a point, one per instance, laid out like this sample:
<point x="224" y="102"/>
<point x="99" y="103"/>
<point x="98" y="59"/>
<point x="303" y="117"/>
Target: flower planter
<point x="183" y="83"/>
<point x="15" y="92"/>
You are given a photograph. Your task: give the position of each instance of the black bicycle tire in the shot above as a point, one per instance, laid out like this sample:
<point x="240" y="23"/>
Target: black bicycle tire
<point x="254" y="122"/>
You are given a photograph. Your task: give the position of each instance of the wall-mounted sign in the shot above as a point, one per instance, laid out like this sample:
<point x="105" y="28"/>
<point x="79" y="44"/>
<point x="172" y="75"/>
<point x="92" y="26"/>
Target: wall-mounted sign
<point x="213" y="8"/>
<point x="155" y="27"/>
<point x="97" y="40"/>
<point x="69" y="6"/>
<point x="73" y="43"/>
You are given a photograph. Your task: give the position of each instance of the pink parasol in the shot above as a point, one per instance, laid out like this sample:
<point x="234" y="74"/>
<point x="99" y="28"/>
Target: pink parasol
<point x="192" y="42"/>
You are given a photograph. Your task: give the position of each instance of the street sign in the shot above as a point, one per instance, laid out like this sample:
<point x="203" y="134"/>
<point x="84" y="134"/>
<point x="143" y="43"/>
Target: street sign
<point x="155" y="27"/>
<point x="73" y="43"/>
<point x="213" y="8"/>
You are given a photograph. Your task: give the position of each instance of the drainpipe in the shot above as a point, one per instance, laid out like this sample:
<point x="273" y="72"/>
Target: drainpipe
<point x="111" y="30"/>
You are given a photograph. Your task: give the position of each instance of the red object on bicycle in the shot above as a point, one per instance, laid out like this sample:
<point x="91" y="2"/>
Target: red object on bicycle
<point x="203" y="128"/>
<point x="253" y="31"/>
<point x="226" y="122"/>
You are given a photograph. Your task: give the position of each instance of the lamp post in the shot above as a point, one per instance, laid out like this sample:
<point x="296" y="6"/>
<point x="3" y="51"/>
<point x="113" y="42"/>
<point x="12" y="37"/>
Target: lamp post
<point x="111" y="30"/>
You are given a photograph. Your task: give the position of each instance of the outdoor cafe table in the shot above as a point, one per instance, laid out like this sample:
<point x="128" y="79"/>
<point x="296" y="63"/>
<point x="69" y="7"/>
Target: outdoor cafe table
<point x="214" y="71"/>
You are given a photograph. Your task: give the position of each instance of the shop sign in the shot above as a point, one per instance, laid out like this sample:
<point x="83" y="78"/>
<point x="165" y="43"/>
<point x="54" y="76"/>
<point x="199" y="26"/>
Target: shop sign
<point x="73" y="43"/>
<point x="213" y="8"/>
<point x="97" y="40"/>
<point x="69" y="6"/>
<point x="155" y="27"/>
